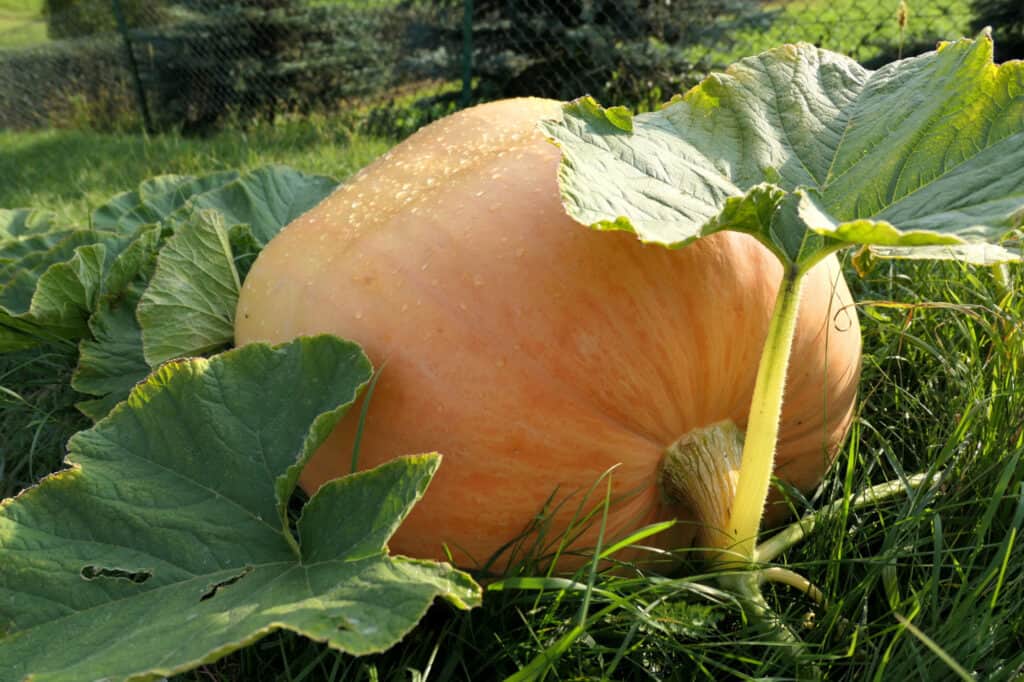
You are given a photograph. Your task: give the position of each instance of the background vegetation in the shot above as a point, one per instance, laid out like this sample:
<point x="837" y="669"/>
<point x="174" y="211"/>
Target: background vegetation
<point x="206" y="65"/>
<point x="1006" y="17"/>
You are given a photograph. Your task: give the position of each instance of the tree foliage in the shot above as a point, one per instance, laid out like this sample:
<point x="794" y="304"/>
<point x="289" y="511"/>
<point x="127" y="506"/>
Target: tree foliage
<point x="252" y="58"/>
<point x="619" y="50"/>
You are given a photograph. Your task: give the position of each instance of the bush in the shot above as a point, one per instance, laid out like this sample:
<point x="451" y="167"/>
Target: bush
<point x="68" y="83"/>
<point x="618" y="50"/>
<point x="251" y="59"/>
<point x="79" y="18"/>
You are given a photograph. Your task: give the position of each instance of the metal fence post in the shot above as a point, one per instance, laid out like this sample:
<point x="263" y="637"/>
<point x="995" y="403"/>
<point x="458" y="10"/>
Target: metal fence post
<point x="122" y="26"/>
<point x="467" y="52"/>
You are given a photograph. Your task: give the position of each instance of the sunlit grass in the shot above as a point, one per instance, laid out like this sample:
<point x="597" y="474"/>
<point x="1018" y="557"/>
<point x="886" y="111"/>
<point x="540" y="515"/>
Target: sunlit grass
<point x="862" y="30"/>
<point x="17" y="32"/>
<point x="72" y="172"/>
<point x="22" y="7"/>
<point x="21" y="23"/>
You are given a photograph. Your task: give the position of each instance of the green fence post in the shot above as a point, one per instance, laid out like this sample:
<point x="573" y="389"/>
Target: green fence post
<point x="467" y="52"/>
<point x="140" y="94"/>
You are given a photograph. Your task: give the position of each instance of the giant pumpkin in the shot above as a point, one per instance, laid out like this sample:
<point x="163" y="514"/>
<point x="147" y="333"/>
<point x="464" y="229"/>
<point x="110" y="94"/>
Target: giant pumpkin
<point x="534" y="353"/>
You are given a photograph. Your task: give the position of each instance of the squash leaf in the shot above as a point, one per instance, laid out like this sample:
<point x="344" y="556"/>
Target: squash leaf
<point x="167" y="543"/>
<point x="188" y="307"/>
<point x="53" y="277"/>
<point x="112" y="361"/>
<point x="50" y="282"/>
<point x="155" y="199"/>
<point x="810" y="152"/>
<point x="266" y="199"/>
<point x="172" y="292"/>
<point x="18" y="222"/>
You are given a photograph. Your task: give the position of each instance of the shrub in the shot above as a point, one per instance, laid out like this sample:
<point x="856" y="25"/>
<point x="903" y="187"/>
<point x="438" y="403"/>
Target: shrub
<point x="78" y="18"/>
<point x="68" y="83"/>
<point x="619" y="50"/>
<point x="249" y="59"/>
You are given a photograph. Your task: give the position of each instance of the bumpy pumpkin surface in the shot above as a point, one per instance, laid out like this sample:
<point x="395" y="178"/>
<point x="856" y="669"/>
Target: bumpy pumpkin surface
<point x="532" y="352"/>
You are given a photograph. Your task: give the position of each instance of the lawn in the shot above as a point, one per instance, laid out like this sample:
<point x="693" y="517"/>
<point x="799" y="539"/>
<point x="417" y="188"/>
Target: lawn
<point x="21" y="23"/>
<point x="863" y="30"/>
<point x="29" y="8"/>
<point x="72" y="172"/>
<point x="915" y="589"/>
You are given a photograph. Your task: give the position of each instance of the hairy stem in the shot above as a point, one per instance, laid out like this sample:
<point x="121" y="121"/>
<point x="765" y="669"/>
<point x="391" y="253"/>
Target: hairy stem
<point x="763" y="425"/>
<point x="770" y="549"/>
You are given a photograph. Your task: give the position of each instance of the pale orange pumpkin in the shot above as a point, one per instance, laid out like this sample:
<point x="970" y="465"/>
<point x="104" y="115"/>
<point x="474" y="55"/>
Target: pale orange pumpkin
<point x="534" y="353"/>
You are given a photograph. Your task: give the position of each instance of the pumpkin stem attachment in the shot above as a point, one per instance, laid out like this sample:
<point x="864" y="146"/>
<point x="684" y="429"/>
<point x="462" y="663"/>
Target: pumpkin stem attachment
<point x="763" y="422"/>
<point x="700" y="471"/>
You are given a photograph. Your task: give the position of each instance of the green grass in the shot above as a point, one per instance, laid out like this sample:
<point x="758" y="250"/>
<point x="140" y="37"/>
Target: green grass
<point x="915" y="589"/>
<point x="862" y="30"/>
<point x="21" y="23"/>
<point x="37" y="414"/>
<point x="16" y="32"/>
<point x="72" y="172"/>
<point x="22" y="7"/>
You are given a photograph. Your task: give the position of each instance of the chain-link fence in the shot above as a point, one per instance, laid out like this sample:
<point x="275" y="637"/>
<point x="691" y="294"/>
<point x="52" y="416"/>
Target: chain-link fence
<point x="394" y="64"/>
<point x="196" y="65"/>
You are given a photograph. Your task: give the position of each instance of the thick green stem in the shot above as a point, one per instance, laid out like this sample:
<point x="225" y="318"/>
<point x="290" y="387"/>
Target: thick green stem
<point x="777" y="574"/>
<point x="770" y="549"/>
<point x="763" y="425"/>
<point x="747" y="587"/>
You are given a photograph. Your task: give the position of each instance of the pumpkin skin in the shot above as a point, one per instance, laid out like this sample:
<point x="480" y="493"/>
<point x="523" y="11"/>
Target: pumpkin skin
<point x="534" y="353"/>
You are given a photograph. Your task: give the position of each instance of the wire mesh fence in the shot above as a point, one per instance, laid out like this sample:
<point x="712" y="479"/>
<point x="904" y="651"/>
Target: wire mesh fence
<point x="392" y="65"/>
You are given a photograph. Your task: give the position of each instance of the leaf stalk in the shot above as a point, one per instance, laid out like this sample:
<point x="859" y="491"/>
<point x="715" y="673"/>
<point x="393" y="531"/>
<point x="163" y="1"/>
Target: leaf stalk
<point x="746" y="586"/>
<point x="770" y="549"/>
<point x="763" y="425"/>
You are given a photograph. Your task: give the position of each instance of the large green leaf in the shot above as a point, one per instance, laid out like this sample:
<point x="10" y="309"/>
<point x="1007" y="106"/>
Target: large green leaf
<point x="809" y="152"/>
<point x="154" y="200"/>
<point x="52" y="277"/>
<point x="167" y="544"/>
<point x="266" y="199"/>
<point x="51" y="282"/>
<point x="209" y="231"/>
<point x="112" y="361"/>
<point x="18" y="222"/>
<point x="188" y="307"/>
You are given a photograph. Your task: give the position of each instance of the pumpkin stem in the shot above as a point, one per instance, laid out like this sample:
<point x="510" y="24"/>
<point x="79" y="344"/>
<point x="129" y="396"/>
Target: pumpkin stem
<point x="747" y="586"/>
<point x="763" y="422"/>
<point x="700" y="471"/>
